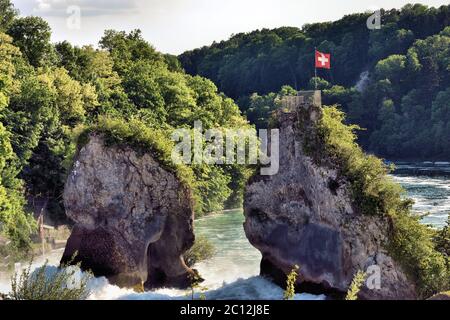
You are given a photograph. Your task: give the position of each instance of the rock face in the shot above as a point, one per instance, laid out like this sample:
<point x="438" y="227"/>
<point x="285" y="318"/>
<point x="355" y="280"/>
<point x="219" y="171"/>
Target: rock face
<point x="134" y="219"/>
<point x="304" y="216"/>
<point x="444" y="296"/>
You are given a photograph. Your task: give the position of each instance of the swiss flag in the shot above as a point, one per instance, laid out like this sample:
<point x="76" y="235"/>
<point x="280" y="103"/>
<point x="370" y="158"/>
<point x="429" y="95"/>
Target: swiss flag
<point x="323" y="60"/>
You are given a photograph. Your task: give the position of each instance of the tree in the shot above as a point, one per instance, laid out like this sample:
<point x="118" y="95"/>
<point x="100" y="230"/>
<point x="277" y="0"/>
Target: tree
<point x="32" y="36"/>
<point x="14" y="221"/>
<point x="7" y="14"/>
<point x="173" y="64"/>
<point x="391" y="67"/>
<point x="7" y="70"/>
<point x="258" y="108"/>
<point x="126" y="47"/>
<point x="409" y="52"/>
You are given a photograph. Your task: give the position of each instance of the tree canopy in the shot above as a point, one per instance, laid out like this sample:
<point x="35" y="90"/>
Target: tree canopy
<point x="390" y="81"/>
<point x="51" y="93"/>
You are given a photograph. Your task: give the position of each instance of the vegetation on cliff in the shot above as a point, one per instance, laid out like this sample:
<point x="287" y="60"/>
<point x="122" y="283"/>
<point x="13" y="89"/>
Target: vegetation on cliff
<point x="142" y="138"/>
<point x="374" y="193"/>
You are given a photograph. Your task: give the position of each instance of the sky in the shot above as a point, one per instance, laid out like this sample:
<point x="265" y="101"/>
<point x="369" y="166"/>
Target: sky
<point x="174" y="26"/>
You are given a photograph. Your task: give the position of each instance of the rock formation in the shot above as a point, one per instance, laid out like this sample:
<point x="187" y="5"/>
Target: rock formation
<point x="133" y="218"/>
<point x="304" y="216"/>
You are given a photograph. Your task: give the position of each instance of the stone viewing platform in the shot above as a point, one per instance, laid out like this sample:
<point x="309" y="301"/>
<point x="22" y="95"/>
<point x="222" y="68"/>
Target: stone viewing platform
<point x="303" y="99"/>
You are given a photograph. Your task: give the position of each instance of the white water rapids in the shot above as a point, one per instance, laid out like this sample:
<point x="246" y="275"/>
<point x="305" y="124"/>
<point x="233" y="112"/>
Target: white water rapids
<point x="233" y="272"/>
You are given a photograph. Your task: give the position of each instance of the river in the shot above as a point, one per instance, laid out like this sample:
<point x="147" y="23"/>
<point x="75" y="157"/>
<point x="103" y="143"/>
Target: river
<point x="429" y="186"/>
<point x="233" y="272"/>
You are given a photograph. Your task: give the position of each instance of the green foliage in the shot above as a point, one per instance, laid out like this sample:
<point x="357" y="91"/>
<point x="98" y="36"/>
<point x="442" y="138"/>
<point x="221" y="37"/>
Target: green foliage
<point x="418" y="86"/>
<point x="32" y="36"/>
<point x="125" y="48"/>
<point x="7" y="14"/>
<point x="173" y="63"/>
<point x="202" y="250"/>
<point x="127" y="90"/>
<point x="411" y="244"/>
<point x="239" y="175"/>
<point x="406" y="61"/>
<point x="442" y="240"/>
<point x="212" y="185"/>
<point x="14" y="221"/>
<point x="374" y="193"/>
<point x="45" y="284"/>
<point x="258" y="109"/>
<point x="263" y="61"/>
<point x="289" y="293"/>
<point x="319" y="83"/>
<point x="355" y="286"/>
<point x="7" y="70"/>
<point x="391" y="67"/>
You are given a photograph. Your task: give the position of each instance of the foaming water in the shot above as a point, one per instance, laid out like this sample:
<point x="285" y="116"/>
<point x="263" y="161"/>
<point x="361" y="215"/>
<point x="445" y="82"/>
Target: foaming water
<point x="233" y="272"/>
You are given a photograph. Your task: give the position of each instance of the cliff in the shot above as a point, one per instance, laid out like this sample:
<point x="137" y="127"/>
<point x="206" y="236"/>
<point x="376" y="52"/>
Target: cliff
<point x="133" y="218"/>
<point x="306" y="216"/>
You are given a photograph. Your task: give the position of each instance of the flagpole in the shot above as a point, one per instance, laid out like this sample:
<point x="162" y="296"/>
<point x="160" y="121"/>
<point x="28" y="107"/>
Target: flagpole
<point x="315" y="69"/>
<point x="315" y="77"/>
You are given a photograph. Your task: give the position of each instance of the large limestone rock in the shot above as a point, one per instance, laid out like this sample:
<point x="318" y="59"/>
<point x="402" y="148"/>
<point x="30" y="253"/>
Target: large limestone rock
<point x="304" y="216"/>
<point x="134" y="219"/>
<point x="444" y="296"/>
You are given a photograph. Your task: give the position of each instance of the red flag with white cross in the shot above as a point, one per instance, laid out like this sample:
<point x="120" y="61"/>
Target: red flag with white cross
<point x="323" y="60"/>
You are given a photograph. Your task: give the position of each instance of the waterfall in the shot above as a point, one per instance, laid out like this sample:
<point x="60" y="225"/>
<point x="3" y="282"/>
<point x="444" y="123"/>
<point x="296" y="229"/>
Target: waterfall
<point x="363" y="81"/>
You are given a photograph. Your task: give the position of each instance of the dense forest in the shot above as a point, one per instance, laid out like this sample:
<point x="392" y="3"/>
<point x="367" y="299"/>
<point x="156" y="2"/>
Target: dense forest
<point x="393" y="82"/>
<point x="51" y="93"/>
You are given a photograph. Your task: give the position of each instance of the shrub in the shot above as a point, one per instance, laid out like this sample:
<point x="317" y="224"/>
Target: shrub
<point x="411" y="244"/>
<point x="442" y="240"/>
<point x="373" y="191"/>
<point x="202" y="250"/>
<point x="289" y="293"/>
<point x="45" y="284"/>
